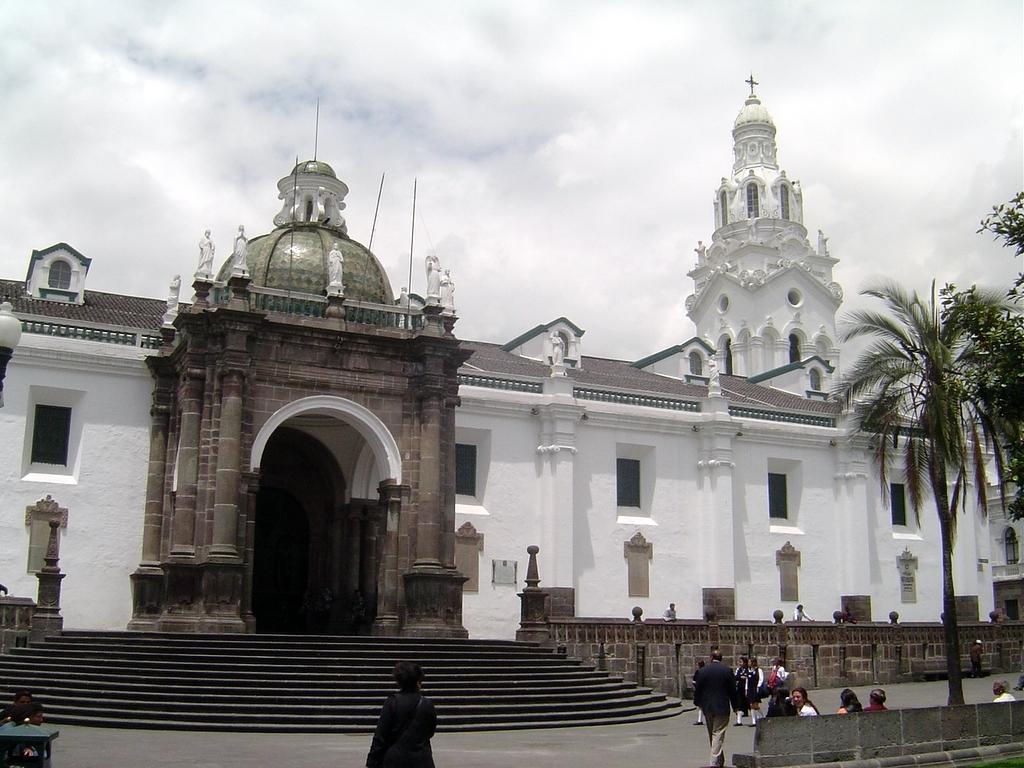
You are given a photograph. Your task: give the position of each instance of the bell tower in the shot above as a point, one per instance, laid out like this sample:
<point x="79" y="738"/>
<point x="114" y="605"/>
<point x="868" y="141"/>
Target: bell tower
<point x="764" y="297"/>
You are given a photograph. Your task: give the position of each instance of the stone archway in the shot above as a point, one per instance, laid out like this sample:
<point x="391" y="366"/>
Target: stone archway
<point x="317" y="548"/>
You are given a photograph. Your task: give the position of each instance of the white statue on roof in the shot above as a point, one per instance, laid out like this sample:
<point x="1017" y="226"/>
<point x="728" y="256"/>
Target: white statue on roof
<point x="239" y="265"/>
<point x="206" y="250"/>
<point x="335" y="270"/>
<point x="557" y="350"/>
<point x="714" y="378"/>
<point x="173" y="292"/>
<point x="433" y="266"/>
<point x="448" y="293"/>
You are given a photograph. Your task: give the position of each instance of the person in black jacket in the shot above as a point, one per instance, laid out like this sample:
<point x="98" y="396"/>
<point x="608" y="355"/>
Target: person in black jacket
<point x="407" y="721"/>
<point x="715" y="693"/>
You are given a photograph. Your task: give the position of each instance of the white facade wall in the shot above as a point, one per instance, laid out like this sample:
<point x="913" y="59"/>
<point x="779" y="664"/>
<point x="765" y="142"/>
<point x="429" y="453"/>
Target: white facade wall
<point x="103" y="489"/>
<point x="708" y="525"/>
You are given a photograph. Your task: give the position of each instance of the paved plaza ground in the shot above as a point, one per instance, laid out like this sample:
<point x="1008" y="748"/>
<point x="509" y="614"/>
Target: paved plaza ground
<point x="674" y="742"/>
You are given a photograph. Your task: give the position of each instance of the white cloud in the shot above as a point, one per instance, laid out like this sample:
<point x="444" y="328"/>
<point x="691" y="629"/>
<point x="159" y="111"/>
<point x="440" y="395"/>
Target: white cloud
<point x="566" y="152"/>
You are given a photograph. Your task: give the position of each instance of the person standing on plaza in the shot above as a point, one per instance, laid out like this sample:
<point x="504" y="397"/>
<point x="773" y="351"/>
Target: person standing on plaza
<point x="715" y="694"/>
<point x="407" y="722"/>
<point x="741" y="675"/>
<point x="700" y="712"/>
<point x="756" y="689"/>
<point x="976" y="650"/>
<point x="777" y="676"/>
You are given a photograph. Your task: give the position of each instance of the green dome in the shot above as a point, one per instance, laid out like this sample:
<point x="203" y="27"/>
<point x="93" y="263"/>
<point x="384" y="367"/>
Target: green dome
<point x="314" y="166"/>
<point x="294" y="258"/>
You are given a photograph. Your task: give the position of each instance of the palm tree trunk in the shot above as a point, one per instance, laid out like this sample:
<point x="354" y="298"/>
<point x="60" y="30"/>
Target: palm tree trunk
<point x="950" y="632"/>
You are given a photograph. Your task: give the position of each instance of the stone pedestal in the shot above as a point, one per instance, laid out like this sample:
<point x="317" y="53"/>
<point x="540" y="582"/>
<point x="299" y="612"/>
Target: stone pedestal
<point x="46" y="619"/>
<point x="534" y="605"/>
<point x="147" y="598"/>
<point x="433" y="603"/>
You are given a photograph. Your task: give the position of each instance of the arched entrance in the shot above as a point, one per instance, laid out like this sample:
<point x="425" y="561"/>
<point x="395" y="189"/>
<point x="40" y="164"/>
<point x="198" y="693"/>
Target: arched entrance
<point x="318" y="538"/>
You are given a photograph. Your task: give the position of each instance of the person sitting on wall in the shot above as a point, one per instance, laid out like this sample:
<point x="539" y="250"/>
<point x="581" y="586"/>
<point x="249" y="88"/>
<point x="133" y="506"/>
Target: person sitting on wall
<point x="848" y="702"/>
<point x="799" y="615"/>
<point x="877" y="703"/>
<point x="670" y="612"/>
<point x="1000" y="692"/>
<point x="20" y="697"/>
<point x="779" y="705"/>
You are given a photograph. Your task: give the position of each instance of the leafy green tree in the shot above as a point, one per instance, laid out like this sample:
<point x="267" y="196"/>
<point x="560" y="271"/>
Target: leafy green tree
<point x="906" y="391"/>
<point x="997" y="332"/>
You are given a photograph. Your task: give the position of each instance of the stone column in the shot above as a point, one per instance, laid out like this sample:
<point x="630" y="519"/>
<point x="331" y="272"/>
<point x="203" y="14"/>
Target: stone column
<point x="557" y="451"/>
<point x="854" y="528"/>
<point x="428" y="507"/>
<point x="225" y="508"/>
<point x="183" y="528"/>
<point x="716" y="469"/>
<point x="152" y="525"/>
<point x="251" y="486"/>
<point x="147" y="580"/>
<point x="386" y="622"/>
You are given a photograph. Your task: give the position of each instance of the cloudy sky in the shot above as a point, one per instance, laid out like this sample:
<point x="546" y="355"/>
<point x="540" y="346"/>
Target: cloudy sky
<point x="566" y="152"/>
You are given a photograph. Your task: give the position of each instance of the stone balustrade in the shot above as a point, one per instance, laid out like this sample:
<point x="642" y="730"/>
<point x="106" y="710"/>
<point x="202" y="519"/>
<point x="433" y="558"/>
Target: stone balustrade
<point x="663" y="654"/>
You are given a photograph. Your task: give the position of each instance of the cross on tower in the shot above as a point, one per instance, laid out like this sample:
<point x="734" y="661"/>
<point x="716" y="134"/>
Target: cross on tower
<point x="751" y="82"/>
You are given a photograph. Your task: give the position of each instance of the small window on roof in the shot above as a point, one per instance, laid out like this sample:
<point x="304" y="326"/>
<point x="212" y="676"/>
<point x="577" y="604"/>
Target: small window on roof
<point x="723" y="204"/>
<point x="784" y="201"/>
<point x="753" y="207"/>
<point x="60" y="275"/>
<point x="696" y="363"/>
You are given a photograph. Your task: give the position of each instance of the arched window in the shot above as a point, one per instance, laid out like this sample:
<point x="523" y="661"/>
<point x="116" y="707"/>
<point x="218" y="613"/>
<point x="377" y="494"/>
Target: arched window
<point x="815" y="379"/>
<point x="309" y="209"/>
<point x="60" y="275"/>
<point x="696" y="364"/>
<point x="723" y="204"/>
<point x="753" y="210"/>
<point x="794" y="348"/>
<point x="784" y="201"/>
<point x="1012" y="548"/>
<point x="728" y="356"/>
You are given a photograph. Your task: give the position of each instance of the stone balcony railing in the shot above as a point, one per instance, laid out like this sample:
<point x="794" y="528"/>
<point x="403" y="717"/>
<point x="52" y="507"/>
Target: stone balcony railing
<point x="1000" y="572"/>
<point x="310" y="305"/>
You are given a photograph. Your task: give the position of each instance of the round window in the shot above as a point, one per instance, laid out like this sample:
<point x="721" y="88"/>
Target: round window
<point x="723" y="303"/>
<point x="794" y="297"/>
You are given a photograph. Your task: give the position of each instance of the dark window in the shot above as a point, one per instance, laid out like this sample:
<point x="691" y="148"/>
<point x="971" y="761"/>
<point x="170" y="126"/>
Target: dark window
<point x="784" y="201"/>
<point x="1012" y="609"/>
<point x="794" y="348"/>
<point x="465" y="469"/>
<point x="696" y="364"/>
<point x="51" y="434"/>
<point x="60" y="275"/>
<point x="627" y="482"/>
<point x="1012" y="548"/>
<point x="753" y="208"/>
<point x="777" y="496"/>
<point x="728" y="357"/>
<point x="724" y="205"/>
<point x="898" y="503"/>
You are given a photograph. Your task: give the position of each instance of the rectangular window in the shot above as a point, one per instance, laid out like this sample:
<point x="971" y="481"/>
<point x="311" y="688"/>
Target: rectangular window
<point x="777" y="504"/>
<point x="627" y="482"/>
<point x="898" y="503"/>
<point x="51" y="435"/>
<point x="465" y="469"/>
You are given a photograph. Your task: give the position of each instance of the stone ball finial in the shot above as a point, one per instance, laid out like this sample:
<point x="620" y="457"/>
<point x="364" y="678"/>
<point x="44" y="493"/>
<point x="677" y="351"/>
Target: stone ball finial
<point x="638" y="613"/>
<point x="533" y="549"/>
<point x="894" y="618"/>
<point x="995" y="616"/>
<point x="777" y="615"/>
<point x="837" y="617"/>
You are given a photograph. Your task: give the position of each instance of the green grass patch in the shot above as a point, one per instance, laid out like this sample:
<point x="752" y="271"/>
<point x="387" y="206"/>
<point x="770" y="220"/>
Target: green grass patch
<point x="1016" y="762"/>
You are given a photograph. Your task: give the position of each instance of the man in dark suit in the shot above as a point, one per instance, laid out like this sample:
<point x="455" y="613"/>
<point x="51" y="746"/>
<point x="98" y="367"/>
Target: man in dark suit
<point x="715" y="694"/>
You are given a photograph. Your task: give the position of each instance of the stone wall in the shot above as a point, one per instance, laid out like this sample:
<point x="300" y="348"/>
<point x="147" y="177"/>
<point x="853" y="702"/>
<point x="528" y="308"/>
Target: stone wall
<point x="663" y="655"/>
<point x="15" y="621"/>
<point x="970" y="733"/>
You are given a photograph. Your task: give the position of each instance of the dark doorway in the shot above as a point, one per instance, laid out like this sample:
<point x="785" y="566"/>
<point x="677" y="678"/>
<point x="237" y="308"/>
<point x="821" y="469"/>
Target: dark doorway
<point x="280" y="562"/>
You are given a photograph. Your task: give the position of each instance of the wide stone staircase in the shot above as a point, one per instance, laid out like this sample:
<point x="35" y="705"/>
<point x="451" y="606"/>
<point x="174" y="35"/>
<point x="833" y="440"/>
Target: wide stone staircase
<point x="312" y="683"/>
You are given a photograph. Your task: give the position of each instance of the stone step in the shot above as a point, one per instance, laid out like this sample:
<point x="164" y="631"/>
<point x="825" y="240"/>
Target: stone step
<point x="313" y="684"/>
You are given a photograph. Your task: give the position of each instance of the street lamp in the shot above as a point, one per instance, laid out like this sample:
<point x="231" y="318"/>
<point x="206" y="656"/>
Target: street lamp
<point x="10" y="334"/>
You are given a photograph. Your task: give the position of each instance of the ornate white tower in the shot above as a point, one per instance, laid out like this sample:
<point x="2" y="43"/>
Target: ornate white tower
<point x="763" y="296"/>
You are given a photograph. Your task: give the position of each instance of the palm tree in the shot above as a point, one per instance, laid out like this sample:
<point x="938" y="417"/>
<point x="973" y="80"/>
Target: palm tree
<point x="907" y="391"/>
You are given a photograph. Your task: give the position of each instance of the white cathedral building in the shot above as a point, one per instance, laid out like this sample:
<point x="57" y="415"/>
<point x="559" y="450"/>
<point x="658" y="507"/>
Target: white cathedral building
<point x="717" y="474"/>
